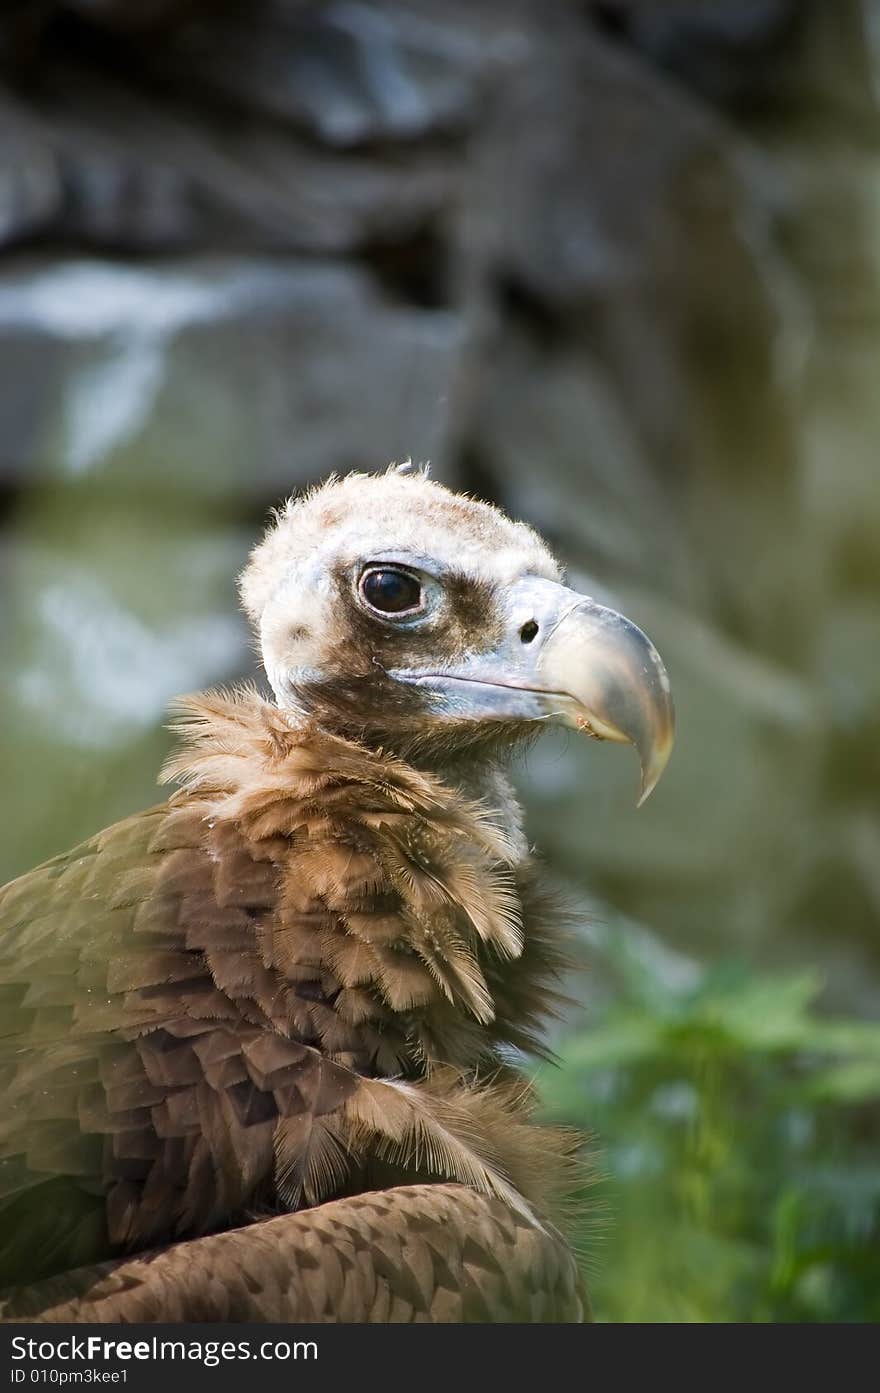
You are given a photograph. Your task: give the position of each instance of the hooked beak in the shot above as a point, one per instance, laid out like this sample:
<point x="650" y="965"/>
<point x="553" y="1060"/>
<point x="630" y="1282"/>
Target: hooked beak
<point x="566" y="657"/>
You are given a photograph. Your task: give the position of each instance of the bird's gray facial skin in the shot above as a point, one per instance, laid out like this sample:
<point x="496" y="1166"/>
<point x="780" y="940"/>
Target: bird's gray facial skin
<point x="562" y="656"/>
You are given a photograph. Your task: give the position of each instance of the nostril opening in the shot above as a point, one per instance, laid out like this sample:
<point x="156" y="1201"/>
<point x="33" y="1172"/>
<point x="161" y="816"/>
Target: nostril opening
<point x="528" y="631"/>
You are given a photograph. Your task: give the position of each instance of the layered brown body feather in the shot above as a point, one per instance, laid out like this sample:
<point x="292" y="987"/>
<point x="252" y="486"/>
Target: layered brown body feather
<point x="412" y="1254"/>
<point x="293" y="981"/>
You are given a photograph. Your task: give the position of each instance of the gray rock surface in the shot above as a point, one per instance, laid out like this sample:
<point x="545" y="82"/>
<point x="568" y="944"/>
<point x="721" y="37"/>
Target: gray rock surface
<point x="231" y="379"/>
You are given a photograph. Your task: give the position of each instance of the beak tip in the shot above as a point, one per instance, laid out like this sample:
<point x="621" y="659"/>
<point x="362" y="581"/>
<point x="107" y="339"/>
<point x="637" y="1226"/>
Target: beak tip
<point x="653" y="767"/>
<point x="645" y="792"/>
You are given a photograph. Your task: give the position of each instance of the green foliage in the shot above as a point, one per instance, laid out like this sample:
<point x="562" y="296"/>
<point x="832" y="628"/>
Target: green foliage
<point x="738" y="1130"/>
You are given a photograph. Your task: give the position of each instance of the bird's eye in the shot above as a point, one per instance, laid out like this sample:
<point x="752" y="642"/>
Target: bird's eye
<point x="391" y="591"/>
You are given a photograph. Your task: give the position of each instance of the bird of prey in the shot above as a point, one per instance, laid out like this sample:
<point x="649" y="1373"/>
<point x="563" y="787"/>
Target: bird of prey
<point x="273" y="1022"/>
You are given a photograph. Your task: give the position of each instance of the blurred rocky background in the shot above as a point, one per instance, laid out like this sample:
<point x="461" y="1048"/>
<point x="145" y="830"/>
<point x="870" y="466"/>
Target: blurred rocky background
<point x="614" y="265"/>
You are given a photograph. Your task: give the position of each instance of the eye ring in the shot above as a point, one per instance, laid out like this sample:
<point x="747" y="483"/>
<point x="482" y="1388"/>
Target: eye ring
<point x="391" y="591"/>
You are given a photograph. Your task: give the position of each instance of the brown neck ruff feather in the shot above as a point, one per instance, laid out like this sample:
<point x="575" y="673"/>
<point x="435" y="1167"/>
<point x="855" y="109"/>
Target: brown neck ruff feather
<point x="298" y="987"/>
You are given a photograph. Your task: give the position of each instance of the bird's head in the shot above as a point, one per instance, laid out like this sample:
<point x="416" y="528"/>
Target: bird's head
<point x="393" y="611"/>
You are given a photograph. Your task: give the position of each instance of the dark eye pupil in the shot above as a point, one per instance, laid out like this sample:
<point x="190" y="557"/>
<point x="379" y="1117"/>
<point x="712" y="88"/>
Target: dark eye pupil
<point x="391" y="591"/>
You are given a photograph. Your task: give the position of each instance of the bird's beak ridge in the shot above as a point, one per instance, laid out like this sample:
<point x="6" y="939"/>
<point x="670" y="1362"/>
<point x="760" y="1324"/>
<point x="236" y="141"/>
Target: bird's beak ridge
<point x="611" y="683"/>
<point x="565" y="657"/>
